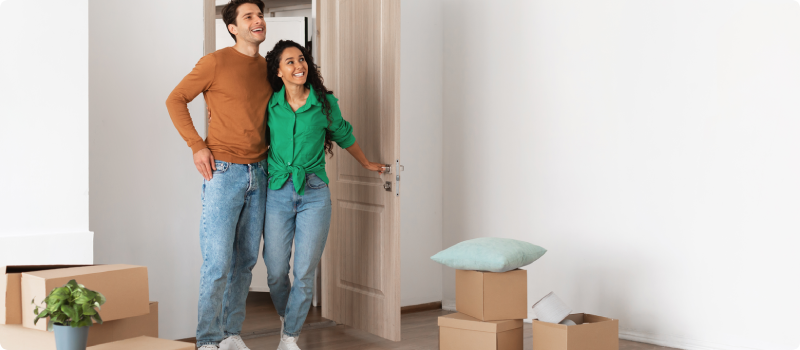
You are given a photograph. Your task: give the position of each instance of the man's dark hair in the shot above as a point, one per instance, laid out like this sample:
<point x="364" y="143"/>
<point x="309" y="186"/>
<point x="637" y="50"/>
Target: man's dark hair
<point x="231" y="11"/>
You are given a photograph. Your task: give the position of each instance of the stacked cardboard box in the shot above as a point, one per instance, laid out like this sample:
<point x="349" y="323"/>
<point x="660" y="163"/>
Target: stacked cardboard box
<point x="491" y="307"/>
<point x="127" y="313"/>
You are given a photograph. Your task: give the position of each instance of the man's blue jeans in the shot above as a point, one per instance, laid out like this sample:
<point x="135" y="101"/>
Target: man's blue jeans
<point x="304" y="220"/>
<point x="232" y="224"/>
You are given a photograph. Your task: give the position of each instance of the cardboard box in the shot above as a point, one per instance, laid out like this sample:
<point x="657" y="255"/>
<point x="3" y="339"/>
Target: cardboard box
<point x="10" y="290"/>
<point x="461" y="332"/>
<point x="591" y="333"/>
<point x="491" y="296"/>
<point x="124" y="286"/>
<point x="16" y="337"/>
<point x="144" y="343"/>
<point x="126" y="328"/>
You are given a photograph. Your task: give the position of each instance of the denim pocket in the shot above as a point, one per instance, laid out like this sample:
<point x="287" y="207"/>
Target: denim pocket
<point x="314" y="182"/>
<point x="221" y="166"/>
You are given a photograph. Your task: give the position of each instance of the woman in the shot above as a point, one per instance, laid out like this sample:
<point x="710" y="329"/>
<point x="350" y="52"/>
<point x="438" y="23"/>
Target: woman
<point x="304" y="121"/>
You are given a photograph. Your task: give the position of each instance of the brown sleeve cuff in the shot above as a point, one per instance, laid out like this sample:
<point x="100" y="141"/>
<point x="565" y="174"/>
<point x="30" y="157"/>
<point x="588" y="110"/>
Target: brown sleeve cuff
<point x="198" y="146"/>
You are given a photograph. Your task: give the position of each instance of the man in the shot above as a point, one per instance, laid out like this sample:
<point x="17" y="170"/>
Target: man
<point x="232" y="163"/>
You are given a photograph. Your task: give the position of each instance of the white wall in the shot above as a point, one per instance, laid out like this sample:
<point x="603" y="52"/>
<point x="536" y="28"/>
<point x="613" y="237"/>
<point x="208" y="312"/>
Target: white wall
<point x="651" y="146"/>
<point x="44" y="133"/>
<point x="145" y="202"/>
<point x="421" y="55"/>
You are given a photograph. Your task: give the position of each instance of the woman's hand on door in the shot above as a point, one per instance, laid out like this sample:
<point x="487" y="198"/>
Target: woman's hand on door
<point x="358" y="154"/>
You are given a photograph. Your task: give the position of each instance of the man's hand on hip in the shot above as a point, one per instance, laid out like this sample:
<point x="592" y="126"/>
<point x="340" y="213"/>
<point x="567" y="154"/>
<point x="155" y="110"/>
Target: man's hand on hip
<point x="204" y="161"/>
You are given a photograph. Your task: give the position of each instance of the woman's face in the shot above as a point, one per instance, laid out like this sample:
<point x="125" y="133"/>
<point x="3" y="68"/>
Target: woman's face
<point x="293" y="68"/>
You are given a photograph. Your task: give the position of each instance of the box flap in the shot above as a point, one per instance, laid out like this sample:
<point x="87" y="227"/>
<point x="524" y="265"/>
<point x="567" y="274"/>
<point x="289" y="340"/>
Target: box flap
<point x="144" y="343"/>
<point x="461" y="321"/>
<point x="11" y="304"/>
<point x="588" y="318"/>
<point x="28" y="268"/>
<point x="78" y="271"/>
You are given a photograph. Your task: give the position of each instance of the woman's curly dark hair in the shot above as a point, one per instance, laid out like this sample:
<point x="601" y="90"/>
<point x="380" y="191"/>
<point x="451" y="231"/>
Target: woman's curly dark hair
<point x="313" y="79"/>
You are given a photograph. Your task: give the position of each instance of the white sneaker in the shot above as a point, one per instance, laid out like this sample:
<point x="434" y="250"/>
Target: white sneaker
<point x="208" y="347"/>
<point x="233" y="342"/>
<point x="288" y="343"/>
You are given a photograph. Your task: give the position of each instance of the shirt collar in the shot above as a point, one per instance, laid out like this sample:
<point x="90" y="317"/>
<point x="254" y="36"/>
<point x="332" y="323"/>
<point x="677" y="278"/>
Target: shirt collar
<point x="280" y="98"/>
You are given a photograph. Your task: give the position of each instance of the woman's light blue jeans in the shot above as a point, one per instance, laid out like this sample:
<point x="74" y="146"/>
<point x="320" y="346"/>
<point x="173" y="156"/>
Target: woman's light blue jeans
<point x="304" y="220"/>
<point x="232" y="223"/>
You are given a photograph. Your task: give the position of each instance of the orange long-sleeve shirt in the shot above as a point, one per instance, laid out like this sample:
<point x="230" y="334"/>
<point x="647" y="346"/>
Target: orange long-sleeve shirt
<point x="236" y="91"/>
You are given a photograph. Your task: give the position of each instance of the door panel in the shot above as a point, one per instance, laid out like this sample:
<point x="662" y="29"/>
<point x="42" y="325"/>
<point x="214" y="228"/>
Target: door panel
<point x="359" y="48"/>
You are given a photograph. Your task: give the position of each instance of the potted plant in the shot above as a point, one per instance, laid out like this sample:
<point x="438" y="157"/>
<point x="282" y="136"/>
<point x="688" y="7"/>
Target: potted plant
<point x="71" y="309"/>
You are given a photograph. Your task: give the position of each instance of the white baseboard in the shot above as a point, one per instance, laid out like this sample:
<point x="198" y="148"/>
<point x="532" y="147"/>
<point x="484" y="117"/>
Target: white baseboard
<point x="449" y="305"/>
<point x="685" y="343"/>
<point x="264" y="289"/>
<point x="48" y="249"/>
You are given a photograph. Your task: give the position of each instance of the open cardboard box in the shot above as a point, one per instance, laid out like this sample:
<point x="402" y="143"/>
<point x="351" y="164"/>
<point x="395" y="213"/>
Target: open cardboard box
<point x="491" y="296"/>
<point x="461" y="332"/>
<point x="144" y="343"/>
<point x="11" y="290"/>
<point x="126" y="328"/>
<point x="124" y="286"/>
<point x="590" y="333"/>
<point x="16" y="337"/>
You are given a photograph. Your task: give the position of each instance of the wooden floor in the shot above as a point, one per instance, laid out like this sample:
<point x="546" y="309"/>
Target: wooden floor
<point x="420" y="332"/>
<point x="262" y="317"/>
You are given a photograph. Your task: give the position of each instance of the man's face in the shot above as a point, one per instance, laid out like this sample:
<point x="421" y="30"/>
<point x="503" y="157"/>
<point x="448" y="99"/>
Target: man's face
<point x="250" y="26"/>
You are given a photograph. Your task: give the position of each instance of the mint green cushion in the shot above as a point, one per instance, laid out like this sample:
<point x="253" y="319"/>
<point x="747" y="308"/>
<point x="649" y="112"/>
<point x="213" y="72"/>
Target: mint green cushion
<point x="489" y="254"/>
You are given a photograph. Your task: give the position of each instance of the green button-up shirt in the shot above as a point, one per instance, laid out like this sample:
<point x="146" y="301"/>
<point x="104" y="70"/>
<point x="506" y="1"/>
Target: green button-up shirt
<point x="297" y="139"/>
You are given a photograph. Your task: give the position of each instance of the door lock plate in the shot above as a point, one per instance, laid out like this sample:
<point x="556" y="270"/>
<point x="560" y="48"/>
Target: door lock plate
<point x="388" y="186"/>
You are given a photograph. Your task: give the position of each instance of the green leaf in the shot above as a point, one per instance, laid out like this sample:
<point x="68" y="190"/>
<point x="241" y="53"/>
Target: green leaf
<point x="55" y="306"/>
<point x="54" y="299"/>
<point x="88" y="310"/>
<point x="83" y="323"/>
<point x="82" y="300"/>
<point x="61" y="291"/>
<point x="43" y="314"/>
<point x="72" y="285"/>
<point x="97" y="318"/>
<point x="100" y="298"/>
<point x="69" y="311"/>
<point x="50" y="325"/>
<point x="90" y="294"/>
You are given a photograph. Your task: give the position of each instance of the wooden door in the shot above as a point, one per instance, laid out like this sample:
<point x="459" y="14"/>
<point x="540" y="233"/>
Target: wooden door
<point x="359" y="59"/>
